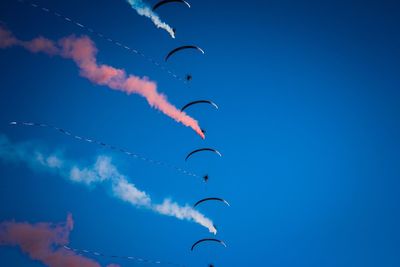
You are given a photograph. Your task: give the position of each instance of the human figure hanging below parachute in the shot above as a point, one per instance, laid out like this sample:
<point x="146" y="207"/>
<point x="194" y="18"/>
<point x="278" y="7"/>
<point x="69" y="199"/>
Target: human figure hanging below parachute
<point x="188" y="77"/>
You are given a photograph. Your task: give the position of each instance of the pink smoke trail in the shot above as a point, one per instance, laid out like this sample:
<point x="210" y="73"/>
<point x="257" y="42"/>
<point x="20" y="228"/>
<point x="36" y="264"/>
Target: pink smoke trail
<point x="83" y="52"/>
<point x="38" y="241"/>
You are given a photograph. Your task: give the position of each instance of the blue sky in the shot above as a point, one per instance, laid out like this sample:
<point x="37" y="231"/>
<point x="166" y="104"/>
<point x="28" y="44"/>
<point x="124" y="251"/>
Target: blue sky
<point x="308" y="126"/>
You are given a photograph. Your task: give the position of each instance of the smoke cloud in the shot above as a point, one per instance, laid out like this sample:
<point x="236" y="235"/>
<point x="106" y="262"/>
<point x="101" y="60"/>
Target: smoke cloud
<point x="83" y="52"/>
<point x="103" y="171"/>
<point x="144" y="9"/>
<point x="43" y="242"/>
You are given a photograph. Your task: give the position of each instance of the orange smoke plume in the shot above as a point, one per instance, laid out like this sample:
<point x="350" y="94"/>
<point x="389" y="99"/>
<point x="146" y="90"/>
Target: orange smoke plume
<point x="39" y="241"/>
<point x="83" y="52"/>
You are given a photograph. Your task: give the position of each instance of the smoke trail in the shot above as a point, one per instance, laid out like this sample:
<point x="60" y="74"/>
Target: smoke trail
<point x="128" y="258"/>
<point x="103" y="171"/>
<point x="83" y="52"/>
<point x="39" y="241"/>
<point x="145" y="10"/>
<point x="67" y="19"/>
<point x="102" y="144"/>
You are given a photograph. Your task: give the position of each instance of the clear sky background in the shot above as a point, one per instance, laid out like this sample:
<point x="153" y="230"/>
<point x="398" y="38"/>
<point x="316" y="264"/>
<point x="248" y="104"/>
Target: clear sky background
<point x="308" y="126"/>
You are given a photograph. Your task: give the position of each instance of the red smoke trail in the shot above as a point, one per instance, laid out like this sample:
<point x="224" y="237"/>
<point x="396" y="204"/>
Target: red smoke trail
<point x="38" y="241"/>
<point x="83" y="52"/>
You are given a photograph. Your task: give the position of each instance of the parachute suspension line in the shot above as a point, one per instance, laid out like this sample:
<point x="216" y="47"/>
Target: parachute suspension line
<point x="106" y="38"/>
<point x="111" y="147"/>
<point x="136" y="259"/>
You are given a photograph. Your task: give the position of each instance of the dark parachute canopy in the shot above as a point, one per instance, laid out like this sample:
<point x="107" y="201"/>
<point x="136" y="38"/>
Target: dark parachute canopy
<point x="170" y="1"/>
<point x="211" y="199"/>
<point x="208" y="240"/>
<point x="173" y="51"/>
<point x="201" y="150"/>
<point x="199" y="102"/>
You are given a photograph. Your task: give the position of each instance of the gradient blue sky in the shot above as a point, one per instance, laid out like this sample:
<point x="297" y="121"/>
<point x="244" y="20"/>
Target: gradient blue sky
<point x="308" y="125"/>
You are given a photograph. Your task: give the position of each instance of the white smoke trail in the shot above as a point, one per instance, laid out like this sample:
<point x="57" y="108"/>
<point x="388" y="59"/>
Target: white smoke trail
<point x="145" y="10"/>
<point x="184" y="213"/>
<point x="102" y="171"/>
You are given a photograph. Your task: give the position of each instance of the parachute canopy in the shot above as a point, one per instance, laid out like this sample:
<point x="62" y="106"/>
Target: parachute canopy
<point x="161" y="3"/>
<point x="201" y="150"/>
<point x="211" y="199"/>
<point x="199" y="102"/>
<point x="208" y="240"/>
<point x="184" y="47"/>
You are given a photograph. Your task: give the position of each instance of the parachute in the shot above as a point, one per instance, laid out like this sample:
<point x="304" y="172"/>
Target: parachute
<point x="211" y="198"/>
<point x="170" y="1"/>
<point x="199" y="102"/>
<point x="183" y="48"/>
<point x="208" y="239"/>
<point x="203" y="149"/>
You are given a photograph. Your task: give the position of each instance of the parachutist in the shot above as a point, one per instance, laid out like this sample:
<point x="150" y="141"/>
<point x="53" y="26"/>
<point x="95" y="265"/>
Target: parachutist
<point x="205" y="178"/>
<point x="188" y="77"/>
<point x="216" y="228"/>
